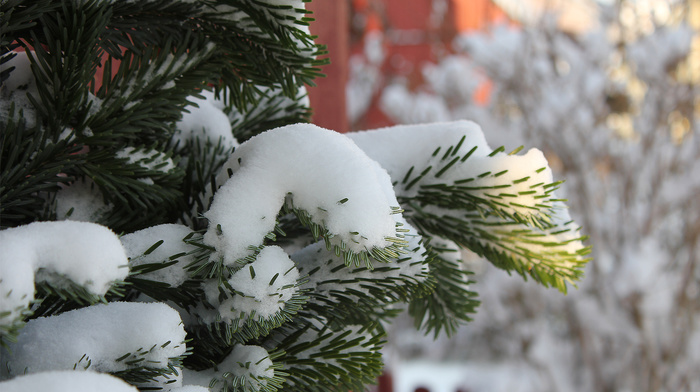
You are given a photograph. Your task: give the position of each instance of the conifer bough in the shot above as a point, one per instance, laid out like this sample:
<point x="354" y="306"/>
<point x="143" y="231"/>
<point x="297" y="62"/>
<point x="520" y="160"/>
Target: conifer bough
<point x="161" y="254"/>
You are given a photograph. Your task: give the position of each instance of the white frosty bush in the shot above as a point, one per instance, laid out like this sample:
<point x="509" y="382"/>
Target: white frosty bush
<point x="619" y="122"/>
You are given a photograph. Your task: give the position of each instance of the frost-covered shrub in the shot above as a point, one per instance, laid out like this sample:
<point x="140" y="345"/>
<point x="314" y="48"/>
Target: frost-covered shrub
<point x="619" y="122"/>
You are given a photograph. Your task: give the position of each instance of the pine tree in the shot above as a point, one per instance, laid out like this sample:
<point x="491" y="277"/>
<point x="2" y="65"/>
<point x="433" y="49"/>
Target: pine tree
<point x="141" y="240"/>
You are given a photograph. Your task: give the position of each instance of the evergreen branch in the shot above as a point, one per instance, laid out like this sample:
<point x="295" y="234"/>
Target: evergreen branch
<point x="140" y="183"/>
<point x="320" y="359"/>
<point x="141" y="371"/>
<point x="483" y="184"/>
<point x="9" y="330"/>
<point x="340" y="247"/>
<point x="451" y="302"/>
<point x="202" y="160"/>
<point x="350" y="294"/>
<point x="140" y="25"/>
<point x="245" y="328"/>
<point x="32" y="164"/>
<point x="273" y="109"/>
<point x="64" y="60"/>
<point x="149" y="91"/>
<point x="553" y="256"/>
<point x="18" y="17"/>
<point x="247" y="369"/>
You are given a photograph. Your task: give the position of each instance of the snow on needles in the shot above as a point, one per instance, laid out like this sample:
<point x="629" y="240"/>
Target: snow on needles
<point x="247" y="366"/>
<point x="456" y="154"/>
<point x="205" y="120"/>
<point x="172" y="247"/>
<point x="261" y="289"/>
<point x="313" y="169"/>
<point x="66" y="380"/>
<point x="88" y="254"/>
<point x="106" y="338"/>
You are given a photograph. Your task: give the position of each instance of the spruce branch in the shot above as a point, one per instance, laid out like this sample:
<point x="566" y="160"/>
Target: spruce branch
<point x="318" y="358"/>
<point x="552" y="256"/>
<point x="32" y="162"/>
<point x="451" y="303"/>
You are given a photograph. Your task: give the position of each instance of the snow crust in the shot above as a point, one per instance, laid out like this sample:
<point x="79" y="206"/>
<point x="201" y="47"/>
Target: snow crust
<point x="172" y="248"/>
<point x="316" y="170"/>
<point x="67" y="380"/>
<point x="96" y="337"/>
<point x="86" y="253"/>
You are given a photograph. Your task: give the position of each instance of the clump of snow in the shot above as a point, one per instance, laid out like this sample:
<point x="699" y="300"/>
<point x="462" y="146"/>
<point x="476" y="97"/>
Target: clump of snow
<point x="172" y="247"/>
<point x="343" y="194"/>
<point x="248" y="366"/>
<point x="103" y="338"/>
<point x="67" y="380"/>
<point x="86" y="253"/>
<point x="261" y="287"/>
<point x="81" y="201"/>
<point x="206" y="120"/>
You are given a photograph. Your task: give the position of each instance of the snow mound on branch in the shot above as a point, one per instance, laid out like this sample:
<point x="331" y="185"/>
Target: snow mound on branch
<point x="67" y="380"/>
<point x="456" y="154"/>
<point x="96" y="337"/>
<point x="316" y="170"/>
<point x="171" y="248"/>
<point x="398" y="148"/>
<point x="261" y="288"/>
<point x="250" y="365"/>
<point x="88" y="254"/>
<point x="205" y="119"/>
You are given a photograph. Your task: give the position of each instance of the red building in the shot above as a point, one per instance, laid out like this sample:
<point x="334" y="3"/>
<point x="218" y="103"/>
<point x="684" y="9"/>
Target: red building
<point x="414" y="33"/>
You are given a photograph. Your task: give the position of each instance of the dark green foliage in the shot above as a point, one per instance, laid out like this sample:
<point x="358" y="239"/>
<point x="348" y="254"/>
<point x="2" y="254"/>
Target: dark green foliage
<point x="317" y="357"/>
<point x="451" y="303"/>
<point x="153" y="55"/>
